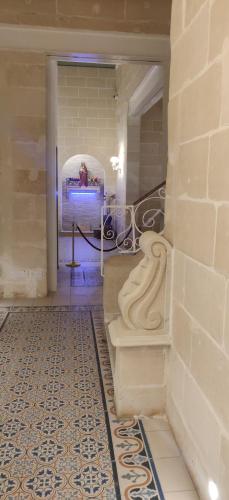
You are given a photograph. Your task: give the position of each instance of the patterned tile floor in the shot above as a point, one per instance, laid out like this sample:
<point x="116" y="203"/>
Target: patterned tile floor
<point x="25" y="380"/>
<point x="60" y="438"/>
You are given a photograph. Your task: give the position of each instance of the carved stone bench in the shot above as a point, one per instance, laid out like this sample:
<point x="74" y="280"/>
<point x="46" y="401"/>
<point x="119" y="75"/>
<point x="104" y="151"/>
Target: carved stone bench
<point x="137" y="339"/>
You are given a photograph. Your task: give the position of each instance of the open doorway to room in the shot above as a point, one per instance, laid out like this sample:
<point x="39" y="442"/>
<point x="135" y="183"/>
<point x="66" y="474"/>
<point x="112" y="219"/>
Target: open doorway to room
<point x="87" y="139"/>
<point x="104" y="110"/>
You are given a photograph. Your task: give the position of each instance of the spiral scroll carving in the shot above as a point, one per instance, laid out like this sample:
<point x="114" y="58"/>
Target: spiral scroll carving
<point x="138" y="296"/>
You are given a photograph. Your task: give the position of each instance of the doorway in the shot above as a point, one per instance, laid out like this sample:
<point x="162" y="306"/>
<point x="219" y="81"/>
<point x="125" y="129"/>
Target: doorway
<point x="87" y="139"/>
<point x="109" y="138"/>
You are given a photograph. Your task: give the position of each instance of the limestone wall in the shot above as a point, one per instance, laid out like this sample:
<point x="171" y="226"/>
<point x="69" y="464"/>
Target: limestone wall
<point x="22" y="167"/>
<point x="129" y="77"/>
<point x="152" y="16"/>
<point x="151" y="141"/>
<point x="140" y="138"/>
<point x="23" y="126"/>
<point x="87" y="116"/>
<point x="198" y="226"/>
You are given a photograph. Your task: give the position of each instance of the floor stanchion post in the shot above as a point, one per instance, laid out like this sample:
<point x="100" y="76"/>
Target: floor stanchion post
<point x="73" y="263"/>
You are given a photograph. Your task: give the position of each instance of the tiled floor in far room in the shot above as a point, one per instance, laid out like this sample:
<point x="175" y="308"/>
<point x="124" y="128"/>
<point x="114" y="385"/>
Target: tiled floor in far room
<point x="173" y="476"/>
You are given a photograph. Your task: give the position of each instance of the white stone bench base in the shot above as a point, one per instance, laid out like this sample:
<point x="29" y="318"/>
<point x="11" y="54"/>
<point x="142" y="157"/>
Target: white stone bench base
<point x="138" y="360"/>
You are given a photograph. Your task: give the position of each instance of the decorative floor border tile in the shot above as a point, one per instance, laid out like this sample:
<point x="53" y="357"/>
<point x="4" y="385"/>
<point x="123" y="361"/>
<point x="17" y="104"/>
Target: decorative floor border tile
<point x="137" y="472"/>
<point x="3" y="315"/>
<point x="48" y="308"/>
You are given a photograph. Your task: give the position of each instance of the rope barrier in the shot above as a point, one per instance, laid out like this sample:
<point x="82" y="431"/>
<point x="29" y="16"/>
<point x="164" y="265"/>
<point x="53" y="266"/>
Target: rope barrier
<point x="105" y="249"/>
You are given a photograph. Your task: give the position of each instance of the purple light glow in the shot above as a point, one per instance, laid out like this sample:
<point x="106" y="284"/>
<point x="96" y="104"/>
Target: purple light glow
<point x="83" y="193"/>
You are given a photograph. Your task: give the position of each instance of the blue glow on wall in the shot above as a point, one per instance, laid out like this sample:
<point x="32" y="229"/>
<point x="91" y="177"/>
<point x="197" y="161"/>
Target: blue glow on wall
<point x="84" y="193"/>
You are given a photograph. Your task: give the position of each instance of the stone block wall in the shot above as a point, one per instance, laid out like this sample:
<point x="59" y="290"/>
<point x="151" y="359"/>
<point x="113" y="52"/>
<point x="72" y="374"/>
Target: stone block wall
<point x="87" y="117"/>
<point x="129" y="77"/>
<point x="140" y="138"/>
<point x="152" y="16"/>
<point x="23" y="125"/>
<point x="197" y="223"/>
<point x="84" y="210"/>
<point x="151" y="139"/>
<point x="22" y="167"/>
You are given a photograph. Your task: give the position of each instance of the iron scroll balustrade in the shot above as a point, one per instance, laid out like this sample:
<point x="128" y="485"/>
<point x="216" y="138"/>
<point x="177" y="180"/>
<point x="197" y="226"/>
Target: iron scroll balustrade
<point x="132" y="220"/>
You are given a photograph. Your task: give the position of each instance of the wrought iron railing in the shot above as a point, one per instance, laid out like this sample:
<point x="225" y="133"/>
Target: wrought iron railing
<point x="124" y="224"/>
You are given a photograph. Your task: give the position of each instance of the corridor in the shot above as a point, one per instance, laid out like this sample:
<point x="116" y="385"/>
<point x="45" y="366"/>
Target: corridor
<point x="60" y="437"/>
<point x="101" y="103"/>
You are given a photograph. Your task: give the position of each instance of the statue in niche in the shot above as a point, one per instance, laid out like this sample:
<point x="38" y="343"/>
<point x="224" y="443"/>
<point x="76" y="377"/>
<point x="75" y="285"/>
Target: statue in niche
<point x="83" y="173"/>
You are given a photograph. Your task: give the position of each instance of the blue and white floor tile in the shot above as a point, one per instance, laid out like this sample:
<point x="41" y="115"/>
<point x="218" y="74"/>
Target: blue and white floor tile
<point x="55" y="441"/>
<point x="60" y="438"/>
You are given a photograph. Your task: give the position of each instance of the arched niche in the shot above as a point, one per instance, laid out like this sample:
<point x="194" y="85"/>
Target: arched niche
<point x="72" y="165"/>
<point x="81" y="205"/>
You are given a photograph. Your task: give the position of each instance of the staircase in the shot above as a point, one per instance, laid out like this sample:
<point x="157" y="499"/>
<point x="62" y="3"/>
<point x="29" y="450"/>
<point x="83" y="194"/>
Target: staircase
<point x="131" y="221"/>
<point x="149" y="209"/>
